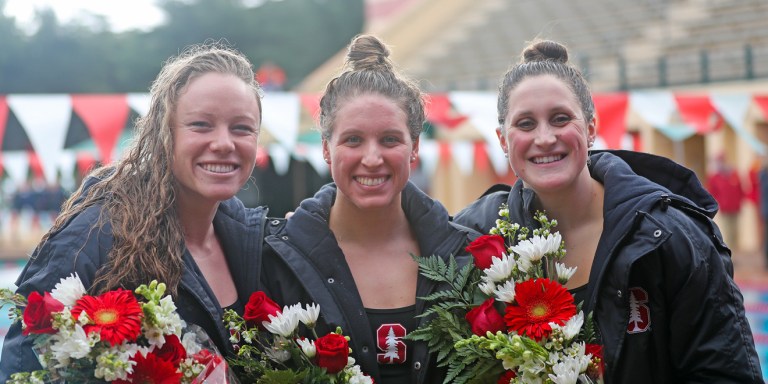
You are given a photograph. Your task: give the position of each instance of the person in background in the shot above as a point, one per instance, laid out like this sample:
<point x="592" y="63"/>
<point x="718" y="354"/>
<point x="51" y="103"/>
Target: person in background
<point x="166" y="210"/>
<point x="762" y="202"/>
<point x="651" y="265"/>
<point x="349" y="248"/>
<point x="725" y="186"/>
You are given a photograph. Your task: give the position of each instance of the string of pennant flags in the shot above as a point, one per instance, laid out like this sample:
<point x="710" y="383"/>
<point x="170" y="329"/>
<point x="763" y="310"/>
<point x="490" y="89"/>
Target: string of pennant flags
<point x="47" y="119"/>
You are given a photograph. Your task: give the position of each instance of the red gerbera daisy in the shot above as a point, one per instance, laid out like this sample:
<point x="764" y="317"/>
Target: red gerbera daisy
<point x="537" y="303"/>
<point x="152" y="370"/>
<point x="115" y="315"/>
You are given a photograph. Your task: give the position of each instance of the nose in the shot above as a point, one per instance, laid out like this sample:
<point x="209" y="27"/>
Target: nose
<point x="221" y="140"/>
<point x="545" y="135"/>
<point x="371" y="155"/>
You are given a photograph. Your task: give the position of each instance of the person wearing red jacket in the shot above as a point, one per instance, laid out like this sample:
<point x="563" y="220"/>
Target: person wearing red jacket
<point x="724" y="184"/>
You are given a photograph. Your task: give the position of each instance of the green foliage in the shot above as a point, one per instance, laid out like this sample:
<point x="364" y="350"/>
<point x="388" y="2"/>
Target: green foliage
<point x="297" y="35"/>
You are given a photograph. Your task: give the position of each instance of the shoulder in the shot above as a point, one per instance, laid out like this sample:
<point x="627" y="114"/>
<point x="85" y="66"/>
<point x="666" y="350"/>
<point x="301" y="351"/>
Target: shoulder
<point x="482" y="213"/>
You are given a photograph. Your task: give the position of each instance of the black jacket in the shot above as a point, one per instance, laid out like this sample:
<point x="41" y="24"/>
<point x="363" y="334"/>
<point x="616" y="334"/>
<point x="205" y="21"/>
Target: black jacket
<point x="661" y="285"/>
<point x="81" y="247"/>
<point x="303" y="263"/>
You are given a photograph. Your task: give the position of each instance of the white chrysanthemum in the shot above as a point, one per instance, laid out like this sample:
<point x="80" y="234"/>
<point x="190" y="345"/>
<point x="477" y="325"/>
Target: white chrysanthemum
<point x="488" y="287"/>
<point x="308" y="347"/>
<point x="536" y="247"/>
<point x="500" y="269"/>
<point x="505" y="292"/>
<point x="309" y="315"/>
<point x="283" y="324"/>
<point x="566" y="371"/>
<point x="564" y="273"/>
<point x="524" y="264"/>
<point x="573" y="326"/>
<point x="277" y="355"/>
<point x="70" y="345"/>
<point x="69" y="290"/>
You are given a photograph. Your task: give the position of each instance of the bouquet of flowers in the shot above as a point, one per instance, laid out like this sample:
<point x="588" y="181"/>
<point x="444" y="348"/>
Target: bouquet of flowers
<point x="118" y="337"/>
<point x="507" y="317"/>
<point x="270" y="351"/>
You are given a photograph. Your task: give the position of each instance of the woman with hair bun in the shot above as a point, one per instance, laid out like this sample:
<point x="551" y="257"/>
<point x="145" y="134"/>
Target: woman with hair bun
<point x="652" y="265"/>
<point x="349" y="248"/>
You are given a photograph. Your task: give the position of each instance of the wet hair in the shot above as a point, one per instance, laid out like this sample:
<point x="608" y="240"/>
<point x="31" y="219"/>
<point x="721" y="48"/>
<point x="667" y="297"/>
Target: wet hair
<point x="368" y="70"/>
<point x="545" y="57"/>
<point x="138" y="191"/>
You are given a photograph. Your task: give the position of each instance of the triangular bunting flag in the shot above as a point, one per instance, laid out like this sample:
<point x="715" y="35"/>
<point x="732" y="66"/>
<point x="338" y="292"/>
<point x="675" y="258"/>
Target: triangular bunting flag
<point x="105" y="117"/>
<point x="611" y="110"/>
<point x="139" y="102"/>
<point x="463" y="156"/>
<point x="280" y="115"/>
<point x="698" y="112"/>
<point x="428" y="155"/>
<point x="16" y="165"/>
<point x="281" y="159"/>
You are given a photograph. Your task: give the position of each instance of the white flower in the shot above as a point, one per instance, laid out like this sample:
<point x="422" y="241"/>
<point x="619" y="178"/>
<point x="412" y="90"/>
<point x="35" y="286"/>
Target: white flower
<point x="114" y="364"/>
<point x="307" y="346"/>
<point x="309" y="315"/>
<point x="537" y="247"/>
<point x="285" y="323"/>
<point x="564" y="273"/>
<point x="573" y="326"/>
<point x="488" y="287"/>
<point x="69" y="290"/>
<point x="70" y="345"/>
<point x="500" y="269"/>
<point x="357" y="376"/>
<point x="155" y="336"/>
<point x="566" y="371"/>
<point x="505" y="292"/>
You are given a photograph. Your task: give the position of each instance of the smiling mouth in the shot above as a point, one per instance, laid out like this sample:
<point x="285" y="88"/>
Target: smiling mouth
<point x="219" y="168"/>
<point x="370" y="181"/>
<point x="547" y="159"/>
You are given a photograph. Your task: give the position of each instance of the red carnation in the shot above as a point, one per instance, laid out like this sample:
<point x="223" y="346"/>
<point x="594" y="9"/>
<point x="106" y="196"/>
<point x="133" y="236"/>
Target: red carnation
<point x="37" y="314"/>
<point x="485" y="318"/>
<point x="485" y="248"/>
<point x="537" y="303"/>
<point x="332" y="352"/>
<point x="115" y="315"/>
<point x="258" y="309"/>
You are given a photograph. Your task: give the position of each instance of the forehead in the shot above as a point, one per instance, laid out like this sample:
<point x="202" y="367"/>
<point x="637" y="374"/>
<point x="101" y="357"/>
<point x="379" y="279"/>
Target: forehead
<point x="536" y="89"/>
<point x="370" y="110"/>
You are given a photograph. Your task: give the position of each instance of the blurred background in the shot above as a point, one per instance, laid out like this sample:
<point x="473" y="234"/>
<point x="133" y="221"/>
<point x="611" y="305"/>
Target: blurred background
<point x="686" y="79"/>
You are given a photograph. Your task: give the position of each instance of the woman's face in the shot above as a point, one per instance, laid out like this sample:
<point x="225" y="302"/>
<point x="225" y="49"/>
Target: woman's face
<point x="545" y="134"/>
<point x="215" y="132"/>
<point x="370" y="152"/>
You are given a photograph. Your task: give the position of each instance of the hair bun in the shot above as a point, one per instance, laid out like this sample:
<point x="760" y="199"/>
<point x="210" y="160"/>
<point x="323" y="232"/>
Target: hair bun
<point x="545" y="50"/>
<point x="368" y="52"/>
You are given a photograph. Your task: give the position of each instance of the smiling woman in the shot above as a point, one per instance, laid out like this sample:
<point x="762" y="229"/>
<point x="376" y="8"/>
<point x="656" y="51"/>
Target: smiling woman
<point x="121" y="15"/>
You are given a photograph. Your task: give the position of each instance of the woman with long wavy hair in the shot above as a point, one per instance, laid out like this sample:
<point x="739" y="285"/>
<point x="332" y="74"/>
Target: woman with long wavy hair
<point x="167" y="209"/>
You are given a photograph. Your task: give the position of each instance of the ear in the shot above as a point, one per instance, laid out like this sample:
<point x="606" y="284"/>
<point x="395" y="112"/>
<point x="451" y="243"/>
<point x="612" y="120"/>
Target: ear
<point x="326" y="152"/>
<point x="415" y="150"/>
<point x="592" y="130"/>
<point x="502" y="139"/>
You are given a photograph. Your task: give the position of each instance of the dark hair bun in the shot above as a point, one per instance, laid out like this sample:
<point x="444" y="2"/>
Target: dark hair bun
<point x="544" y="50"/>
<point x="368" y="52"/>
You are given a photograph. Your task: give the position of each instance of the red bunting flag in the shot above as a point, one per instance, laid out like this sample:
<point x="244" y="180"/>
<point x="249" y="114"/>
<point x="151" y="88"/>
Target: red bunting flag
<point x="439" y="111"/>
<point x="611" y="109"/>
<point x="698" y="112"/>
<point x="105" y="117"/>
<point x="762" y="102"/>
<point x="311" y="104"/>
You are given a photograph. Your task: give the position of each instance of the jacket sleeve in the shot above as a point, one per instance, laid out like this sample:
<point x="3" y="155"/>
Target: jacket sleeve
<point x="75" y="249"/>
<point x="710" y="338"/>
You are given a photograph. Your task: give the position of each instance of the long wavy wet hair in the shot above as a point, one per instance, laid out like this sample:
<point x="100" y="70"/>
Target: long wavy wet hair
<point x="138" y="192"/>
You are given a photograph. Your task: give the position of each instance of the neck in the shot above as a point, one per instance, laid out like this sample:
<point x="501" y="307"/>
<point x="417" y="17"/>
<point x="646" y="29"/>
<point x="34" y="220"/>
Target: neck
<point x="197" y="222"/>
<point x="352" y="224"/>
<point x="574" y="206"/>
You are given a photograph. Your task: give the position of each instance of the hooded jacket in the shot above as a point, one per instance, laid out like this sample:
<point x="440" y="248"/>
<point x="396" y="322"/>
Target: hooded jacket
<point x="661" y="285"/>
<point x="303" y="263"/>
<point x="82" y="247"/>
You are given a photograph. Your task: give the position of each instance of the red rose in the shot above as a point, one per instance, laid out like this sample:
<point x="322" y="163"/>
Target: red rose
<point x="485" y="248"/>
<point x="259" y="308"/>
<point x="172" y="350"/>
<point x="506" y="377"/>
<point x="332" y="352"/>
<point x="485" y="318"/>
<point x="37" y="314"/>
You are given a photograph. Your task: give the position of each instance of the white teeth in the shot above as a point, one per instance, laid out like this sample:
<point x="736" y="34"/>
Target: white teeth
<point x="370" y="181"/>
<point x="546" y="159"/>
<point x="219" y="168"/>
